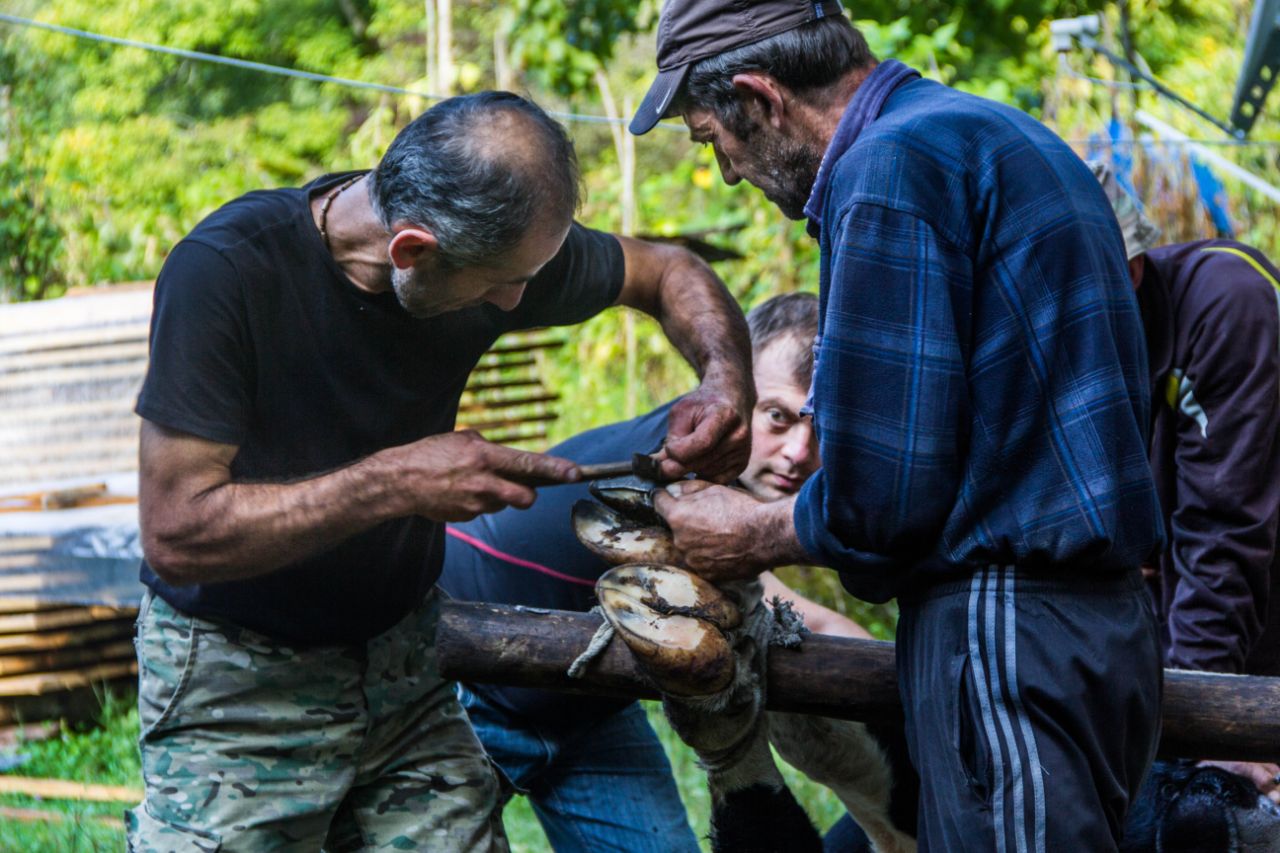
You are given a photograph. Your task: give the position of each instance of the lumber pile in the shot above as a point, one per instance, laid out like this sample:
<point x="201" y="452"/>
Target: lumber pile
<point x="1228" y="717"/>
<point x="54" y="656"/>
<point x="506" y="399"/>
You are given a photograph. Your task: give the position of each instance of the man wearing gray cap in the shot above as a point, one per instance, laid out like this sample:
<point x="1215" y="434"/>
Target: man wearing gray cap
<point x="982" y="405"/>
<point x="1211" y="310"/>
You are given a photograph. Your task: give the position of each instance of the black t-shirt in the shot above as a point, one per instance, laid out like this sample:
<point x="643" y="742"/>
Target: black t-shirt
<point x="532" y="557"/>
<point x="259" y="340"/>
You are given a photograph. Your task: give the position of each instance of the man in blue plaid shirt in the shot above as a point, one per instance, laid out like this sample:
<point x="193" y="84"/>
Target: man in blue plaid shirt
<point x="982" y="405"/>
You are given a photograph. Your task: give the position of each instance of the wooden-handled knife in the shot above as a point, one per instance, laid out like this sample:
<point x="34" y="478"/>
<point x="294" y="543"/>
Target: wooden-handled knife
<point x="639" y="465"/>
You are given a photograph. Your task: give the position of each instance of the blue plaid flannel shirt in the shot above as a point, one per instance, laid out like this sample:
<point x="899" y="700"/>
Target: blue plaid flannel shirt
<point x="981" y="392"/>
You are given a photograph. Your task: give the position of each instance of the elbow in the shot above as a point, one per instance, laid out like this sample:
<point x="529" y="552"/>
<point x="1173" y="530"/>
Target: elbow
<point x="171" y="555"/>
<point x="171" y="565"/>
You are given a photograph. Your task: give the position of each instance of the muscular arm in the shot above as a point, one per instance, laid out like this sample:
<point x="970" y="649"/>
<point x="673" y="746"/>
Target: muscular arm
<point x="710" y="427"/>
<point x="200" y="526"/>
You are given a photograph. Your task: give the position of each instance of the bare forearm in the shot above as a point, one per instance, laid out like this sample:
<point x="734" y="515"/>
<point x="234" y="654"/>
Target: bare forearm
<point x="701" y="319"/>
<point x="234" y="531"/>
<point x="696" y="311"/>
<point x="199" y="525"/>
<point x="777" y="542"/>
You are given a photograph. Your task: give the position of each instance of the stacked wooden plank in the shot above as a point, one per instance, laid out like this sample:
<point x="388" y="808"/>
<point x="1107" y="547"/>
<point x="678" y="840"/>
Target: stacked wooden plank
<point x="506" y="399"/>
<point x="70" y="370"/>
<point x="54" y="657"/>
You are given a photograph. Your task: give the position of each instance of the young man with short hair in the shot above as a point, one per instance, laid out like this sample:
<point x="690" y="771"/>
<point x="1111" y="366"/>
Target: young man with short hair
<point x="592" y="768"/>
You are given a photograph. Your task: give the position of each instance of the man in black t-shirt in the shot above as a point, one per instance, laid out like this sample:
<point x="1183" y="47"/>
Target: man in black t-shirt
<point x="592" y="768"/>
<point x="298" y="459"/>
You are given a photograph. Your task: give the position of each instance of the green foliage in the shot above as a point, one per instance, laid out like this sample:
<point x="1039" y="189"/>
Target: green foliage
<point x="29" y="244"/>
<point x="561" y="45"/>
<point x="103" y="753"/>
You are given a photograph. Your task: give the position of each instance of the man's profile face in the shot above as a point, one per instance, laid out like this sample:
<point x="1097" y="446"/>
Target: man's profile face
<point x="429" y="288"/>
<point x="784" y="448"/>
<point x="782" y="168"/>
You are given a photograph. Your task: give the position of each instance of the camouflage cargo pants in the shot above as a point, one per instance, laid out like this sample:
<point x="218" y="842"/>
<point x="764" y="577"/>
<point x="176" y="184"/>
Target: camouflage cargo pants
<point x="251" y="745"/>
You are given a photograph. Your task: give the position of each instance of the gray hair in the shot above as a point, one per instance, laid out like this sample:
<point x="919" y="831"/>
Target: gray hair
<point x="792" y="317"/>
<point x="805" y="59"/>
<point x="1139" y="232"/>
<point x="477" y="171"/>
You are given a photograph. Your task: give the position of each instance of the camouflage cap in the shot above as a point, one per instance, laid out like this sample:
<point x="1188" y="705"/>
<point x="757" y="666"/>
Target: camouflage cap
<point x="1140" y="233"/>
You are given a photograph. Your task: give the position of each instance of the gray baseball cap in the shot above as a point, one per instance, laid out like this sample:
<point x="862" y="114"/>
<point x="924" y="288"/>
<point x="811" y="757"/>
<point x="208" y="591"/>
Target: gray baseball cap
<point x="693" y="30"/>
<point x="1140" y="233"/>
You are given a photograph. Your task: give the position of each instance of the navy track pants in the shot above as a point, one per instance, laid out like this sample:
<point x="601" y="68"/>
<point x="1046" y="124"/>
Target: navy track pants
<point x="1032" y="709"/>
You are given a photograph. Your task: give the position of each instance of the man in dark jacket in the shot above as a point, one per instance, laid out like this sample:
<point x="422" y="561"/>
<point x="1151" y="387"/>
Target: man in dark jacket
<point x="1211" y="312"/>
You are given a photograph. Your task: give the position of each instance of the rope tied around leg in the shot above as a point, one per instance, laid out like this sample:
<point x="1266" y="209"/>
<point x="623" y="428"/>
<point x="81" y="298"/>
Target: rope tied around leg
<point x="599" y="642"/>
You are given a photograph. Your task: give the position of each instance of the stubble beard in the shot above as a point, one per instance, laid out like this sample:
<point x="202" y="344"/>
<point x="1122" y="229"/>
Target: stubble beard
<point x="411" y="292"/>
<point x="792" y="168"/>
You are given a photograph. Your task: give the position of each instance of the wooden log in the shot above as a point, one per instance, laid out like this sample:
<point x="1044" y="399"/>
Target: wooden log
<point x="1221" y="717"/>
<point x="67" y="339"/>
<point x="66" y="376"/>
<point x="65" y="681"/>
<point x="76" y="705"/>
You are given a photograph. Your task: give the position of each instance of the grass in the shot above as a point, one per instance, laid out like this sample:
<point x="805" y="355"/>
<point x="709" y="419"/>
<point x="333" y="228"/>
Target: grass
<point x="106" y="753"/>
<point x="526" y="836"/>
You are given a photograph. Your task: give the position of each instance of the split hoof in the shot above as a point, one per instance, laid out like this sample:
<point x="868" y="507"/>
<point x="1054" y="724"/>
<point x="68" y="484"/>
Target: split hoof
<point x="674" y="622"/>
<point x="616" y="539"/>
<point x="632" y="496"/>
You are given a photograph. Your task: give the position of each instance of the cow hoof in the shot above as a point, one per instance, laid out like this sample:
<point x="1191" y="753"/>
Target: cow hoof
<point x="674" y="622"/>
<point x="631" y="496"/>
<point x="616" y="539"/>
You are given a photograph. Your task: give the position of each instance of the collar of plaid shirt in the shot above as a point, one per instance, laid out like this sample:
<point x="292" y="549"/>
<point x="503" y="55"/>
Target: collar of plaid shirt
<point x="864" y="107"/>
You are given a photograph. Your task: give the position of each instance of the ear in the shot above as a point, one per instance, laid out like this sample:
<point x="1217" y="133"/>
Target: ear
<point x="410" y="246"/>
<point x="762" y="92"/>
<point x="1137" y="266"/>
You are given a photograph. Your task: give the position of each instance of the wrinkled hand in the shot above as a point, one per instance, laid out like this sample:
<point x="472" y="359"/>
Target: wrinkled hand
<point x="1261" y="774"/>
<point x="459" y="475"/>
<point x="709" y="431"/>
<point x="724" y="533"/>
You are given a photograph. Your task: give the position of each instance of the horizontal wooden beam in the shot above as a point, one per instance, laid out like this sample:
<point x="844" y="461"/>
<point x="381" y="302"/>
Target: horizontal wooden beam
<point x="1226" y="717"/>
<point x="56" y="339"/>
<point x="515" y="437"/>
<point x="507" y="423"/>
<point x="63" y="789"/>
<point x="80" y="374"/>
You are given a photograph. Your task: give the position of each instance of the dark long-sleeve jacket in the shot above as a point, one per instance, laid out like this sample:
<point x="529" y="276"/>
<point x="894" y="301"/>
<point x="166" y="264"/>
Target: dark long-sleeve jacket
<point x="1212" y="315"/>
